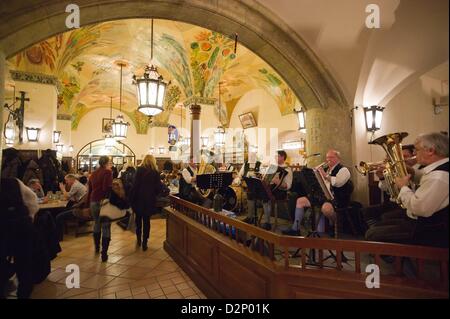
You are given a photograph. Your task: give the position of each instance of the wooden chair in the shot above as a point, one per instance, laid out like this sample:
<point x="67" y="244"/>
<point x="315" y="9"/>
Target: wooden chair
<point x="79" y="219"/>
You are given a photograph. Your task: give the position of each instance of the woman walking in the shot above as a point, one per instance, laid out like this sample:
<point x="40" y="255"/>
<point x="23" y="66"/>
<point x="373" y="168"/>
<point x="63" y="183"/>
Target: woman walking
<point x="147" y="185"/>
<point x="99" y="184"/>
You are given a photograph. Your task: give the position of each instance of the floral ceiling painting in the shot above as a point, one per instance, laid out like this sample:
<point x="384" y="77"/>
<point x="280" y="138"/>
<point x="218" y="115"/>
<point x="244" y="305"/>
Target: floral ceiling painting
<point x="194" y="59"/>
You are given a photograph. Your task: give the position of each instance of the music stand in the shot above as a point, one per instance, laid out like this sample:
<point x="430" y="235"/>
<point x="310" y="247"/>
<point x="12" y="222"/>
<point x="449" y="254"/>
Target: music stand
<point x="260" y="190"/>
<point x="214" y="181"/>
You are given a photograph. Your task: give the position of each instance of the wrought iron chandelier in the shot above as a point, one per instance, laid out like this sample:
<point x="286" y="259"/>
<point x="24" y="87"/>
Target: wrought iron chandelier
<point x="151" y="87"/>
<point x="119" y="126"/>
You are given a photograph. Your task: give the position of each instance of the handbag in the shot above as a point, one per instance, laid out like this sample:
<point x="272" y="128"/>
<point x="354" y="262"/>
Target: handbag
<point x="111" y="212"/>
<point x="162" y="199"/>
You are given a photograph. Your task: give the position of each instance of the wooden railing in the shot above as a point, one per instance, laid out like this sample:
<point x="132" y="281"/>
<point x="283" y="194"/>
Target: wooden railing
<point x="265" y="244"/>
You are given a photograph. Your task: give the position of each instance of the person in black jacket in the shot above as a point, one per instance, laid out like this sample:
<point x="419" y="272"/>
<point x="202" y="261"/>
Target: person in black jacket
<point x="147" y="186"/>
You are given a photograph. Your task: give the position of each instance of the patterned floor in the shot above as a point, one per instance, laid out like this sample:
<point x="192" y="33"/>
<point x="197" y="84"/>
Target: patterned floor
<point x="129" y="273"/>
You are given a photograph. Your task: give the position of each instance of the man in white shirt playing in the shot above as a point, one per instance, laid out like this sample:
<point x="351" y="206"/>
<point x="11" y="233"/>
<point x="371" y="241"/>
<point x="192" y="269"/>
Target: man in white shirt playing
<point x="341" y="186"/>
<point x="427" y="206"/>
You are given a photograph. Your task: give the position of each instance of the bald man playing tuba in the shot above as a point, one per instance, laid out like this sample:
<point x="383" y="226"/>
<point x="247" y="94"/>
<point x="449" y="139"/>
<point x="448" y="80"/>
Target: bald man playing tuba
<point x="341" y="186"/>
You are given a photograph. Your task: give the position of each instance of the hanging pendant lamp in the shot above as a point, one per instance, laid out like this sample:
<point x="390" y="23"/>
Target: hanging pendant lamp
<point x="151" y="87"/>
<point x="119" y="126"/>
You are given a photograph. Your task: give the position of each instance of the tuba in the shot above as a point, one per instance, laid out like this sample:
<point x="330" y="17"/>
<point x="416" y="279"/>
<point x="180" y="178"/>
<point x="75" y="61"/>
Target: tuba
<point x="205" y="168"/>
<point x="395" y="163"/>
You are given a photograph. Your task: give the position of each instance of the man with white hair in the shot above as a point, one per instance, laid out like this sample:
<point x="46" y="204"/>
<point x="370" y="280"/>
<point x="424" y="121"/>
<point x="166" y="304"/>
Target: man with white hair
<point x="341" y="186"/>
<point x="427" y="206"/>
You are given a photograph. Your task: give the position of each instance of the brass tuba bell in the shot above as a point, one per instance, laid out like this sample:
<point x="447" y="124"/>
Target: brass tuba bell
<point x="395" y="163"/>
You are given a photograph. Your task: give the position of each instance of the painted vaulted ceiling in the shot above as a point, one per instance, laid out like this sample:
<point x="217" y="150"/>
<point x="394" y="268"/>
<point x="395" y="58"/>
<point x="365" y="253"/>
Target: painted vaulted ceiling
<point x="194" y="59"/>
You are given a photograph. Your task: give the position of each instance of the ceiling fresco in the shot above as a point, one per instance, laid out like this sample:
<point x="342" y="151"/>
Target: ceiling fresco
<point x="194" y="59"/>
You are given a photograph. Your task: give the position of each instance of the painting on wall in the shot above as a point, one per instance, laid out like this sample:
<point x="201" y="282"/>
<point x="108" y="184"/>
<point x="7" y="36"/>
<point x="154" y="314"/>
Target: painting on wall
<point x="247" y="120"/>
<point x="107" y="125"/>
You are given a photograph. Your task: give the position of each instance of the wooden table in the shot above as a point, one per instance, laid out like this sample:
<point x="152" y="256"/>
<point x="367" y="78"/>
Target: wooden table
<point x="53" y="204"/>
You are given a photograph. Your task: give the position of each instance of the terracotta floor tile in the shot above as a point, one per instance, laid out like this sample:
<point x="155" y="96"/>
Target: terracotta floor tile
<point x="165" y="283"/>
<point x="178" y="280"/>
<point x="138" y="290"/>
<point x="175" y="295"/>
<point x="97" y="281"/>
<point x="123" y="293"/>
<point x="114" y="270"/>
<point x="141" y="296"/>
<point x="110" y="296"/>
<point x="153" y="286"/>
<point x="187" y="292"/>
<point x="120" y="282"/>
<point x="155" y="293"/>
<point x="182" y="286"/>
<point x="169" y="290"/>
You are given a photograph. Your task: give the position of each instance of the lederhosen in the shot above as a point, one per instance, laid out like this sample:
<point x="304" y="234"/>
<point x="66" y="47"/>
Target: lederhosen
<point x="185" y="187"/>
<point x="433" y="230"/>
<point x="341" y="194"/>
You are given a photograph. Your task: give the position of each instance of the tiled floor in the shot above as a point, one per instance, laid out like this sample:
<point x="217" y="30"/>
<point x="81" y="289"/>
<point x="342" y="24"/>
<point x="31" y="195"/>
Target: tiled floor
<point x="129" y="273"/>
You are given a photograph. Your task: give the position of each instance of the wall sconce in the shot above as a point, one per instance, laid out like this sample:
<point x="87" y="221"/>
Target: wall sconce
<point x="33" y="134"/>
<point x="71" y="148"/>
<point x="56" y="136"/>
<point x="162" y="150"/>
<point x="9" y="143"/>
<point x="301" y="116"/>
<point x="205" y="140"/>
<point x="16" y="115"/>
<point x="293" y="145"/>
<point x="373" y="116"/>
<point x="59" y="148"/>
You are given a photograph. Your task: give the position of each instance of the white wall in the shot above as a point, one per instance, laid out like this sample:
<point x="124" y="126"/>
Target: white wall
<point x="40" y="112"/>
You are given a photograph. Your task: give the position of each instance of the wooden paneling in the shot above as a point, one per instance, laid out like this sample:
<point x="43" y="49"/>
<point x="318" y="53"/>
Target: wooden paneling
<point x="175" y="234"/>
<point x="239" y="281"/>
<point x="200" y="251"/>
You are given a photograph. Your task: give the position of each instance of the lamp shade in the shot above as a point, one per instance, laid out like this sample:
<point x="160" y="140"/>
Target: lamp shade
<point x="59" y="148"/>
<point x="120" y="128"/>
<point x="71" y="148"/>
<point x="9" y="143"/>
<point x="56" y="136"/>
<point x="373" y="116"/>
<point x="162" y="150"/>
<point x="33" y="134"/>
<point x="10" y="131"/>
<point x="219" y="137"/>
<point x="151" y="90"/>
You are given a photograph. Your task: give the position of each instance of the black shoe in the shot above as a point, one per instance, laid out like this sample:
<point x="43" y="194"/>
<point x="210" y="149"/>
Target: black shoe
<point x="267" y="226"/>
<point x="291" y="232"/>
<point x="144" y="245"/>
<point x="138" y="242"/>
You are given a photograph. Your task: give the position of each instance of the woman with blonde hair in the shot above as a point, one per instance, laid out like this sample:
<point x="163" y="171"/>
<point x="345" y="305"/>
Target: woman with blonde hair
<point x="147" y="186"/>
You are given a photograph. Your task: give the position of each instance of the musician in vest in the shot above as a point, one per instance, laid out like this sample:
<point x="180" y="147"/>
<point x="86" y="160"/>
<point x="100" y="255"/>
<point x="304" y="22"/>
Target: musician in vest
<point x="280" y="184"/>
<point x="341" y="186"/>
<point x="188" y="178"/>
<point x="428" y="204"/>
<point x="249" y="170"/>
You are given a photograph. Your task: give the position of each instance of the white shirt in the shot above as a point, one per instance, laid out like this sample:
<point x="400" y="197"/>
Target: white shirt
<point x="29" y="198"/>
<point x="431" y="196"/>
<point x="341" y="177"/>
<point x="187" y="176"/>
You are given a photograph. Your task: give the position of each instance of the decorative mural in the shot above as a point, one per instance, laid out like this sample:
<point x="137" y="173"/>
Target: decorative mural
<point x="194" y="59"/>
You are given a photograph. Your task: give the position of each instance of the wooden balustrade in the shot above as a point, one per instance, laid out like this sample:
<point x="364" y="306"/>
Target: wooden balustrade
<point x="276" y="250"/>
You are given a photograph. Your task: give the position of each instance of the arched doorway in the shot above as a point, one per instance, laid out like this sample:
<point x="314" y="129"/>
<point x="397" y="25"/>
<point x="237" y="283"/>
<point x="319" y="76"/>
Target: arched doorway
<point x="87" y="158"/>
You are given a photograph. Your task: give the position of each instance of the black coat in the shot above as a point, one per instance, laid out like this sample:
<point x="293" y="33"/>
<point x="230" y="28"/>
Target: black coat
<point x="147" y="185"/>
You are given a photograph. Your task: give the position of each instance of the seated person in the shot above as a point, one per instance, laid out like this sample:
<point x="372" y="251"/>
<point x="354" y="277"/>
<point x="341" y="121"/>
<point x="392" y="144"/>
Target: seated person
<point x="187" y="181"/>
<point x="280" y="184"/>
<point x="427" y="206"/>
<point x="76" y="189"/>
<point x="36" y="187"/>
<point x="341" y="187"/>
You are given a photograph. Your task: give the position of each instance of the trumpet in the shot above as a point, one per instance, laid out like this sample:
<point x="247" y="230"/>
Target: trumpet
<point x="365" y="168"/>
<point x="323" y="165"/>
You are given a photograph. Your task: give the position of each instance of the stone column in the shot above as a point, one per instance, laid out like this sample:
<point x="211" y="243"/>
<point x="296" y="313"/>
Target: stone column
<point x="195" y="131"/>
<point x="328" y="129"/>
<point x="2" y="98"/>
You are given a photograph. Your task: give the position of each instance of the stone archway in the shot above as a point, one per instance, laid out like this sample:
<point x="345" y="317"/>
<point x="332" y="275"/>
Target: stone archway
<point x="27" y="22"/>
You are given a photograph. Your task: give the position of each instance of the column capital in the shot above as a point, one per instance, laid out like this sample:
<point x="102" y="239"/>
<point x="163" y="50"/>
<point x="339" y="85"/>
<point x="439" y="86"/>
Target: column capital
<point x="195" y="111"/>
